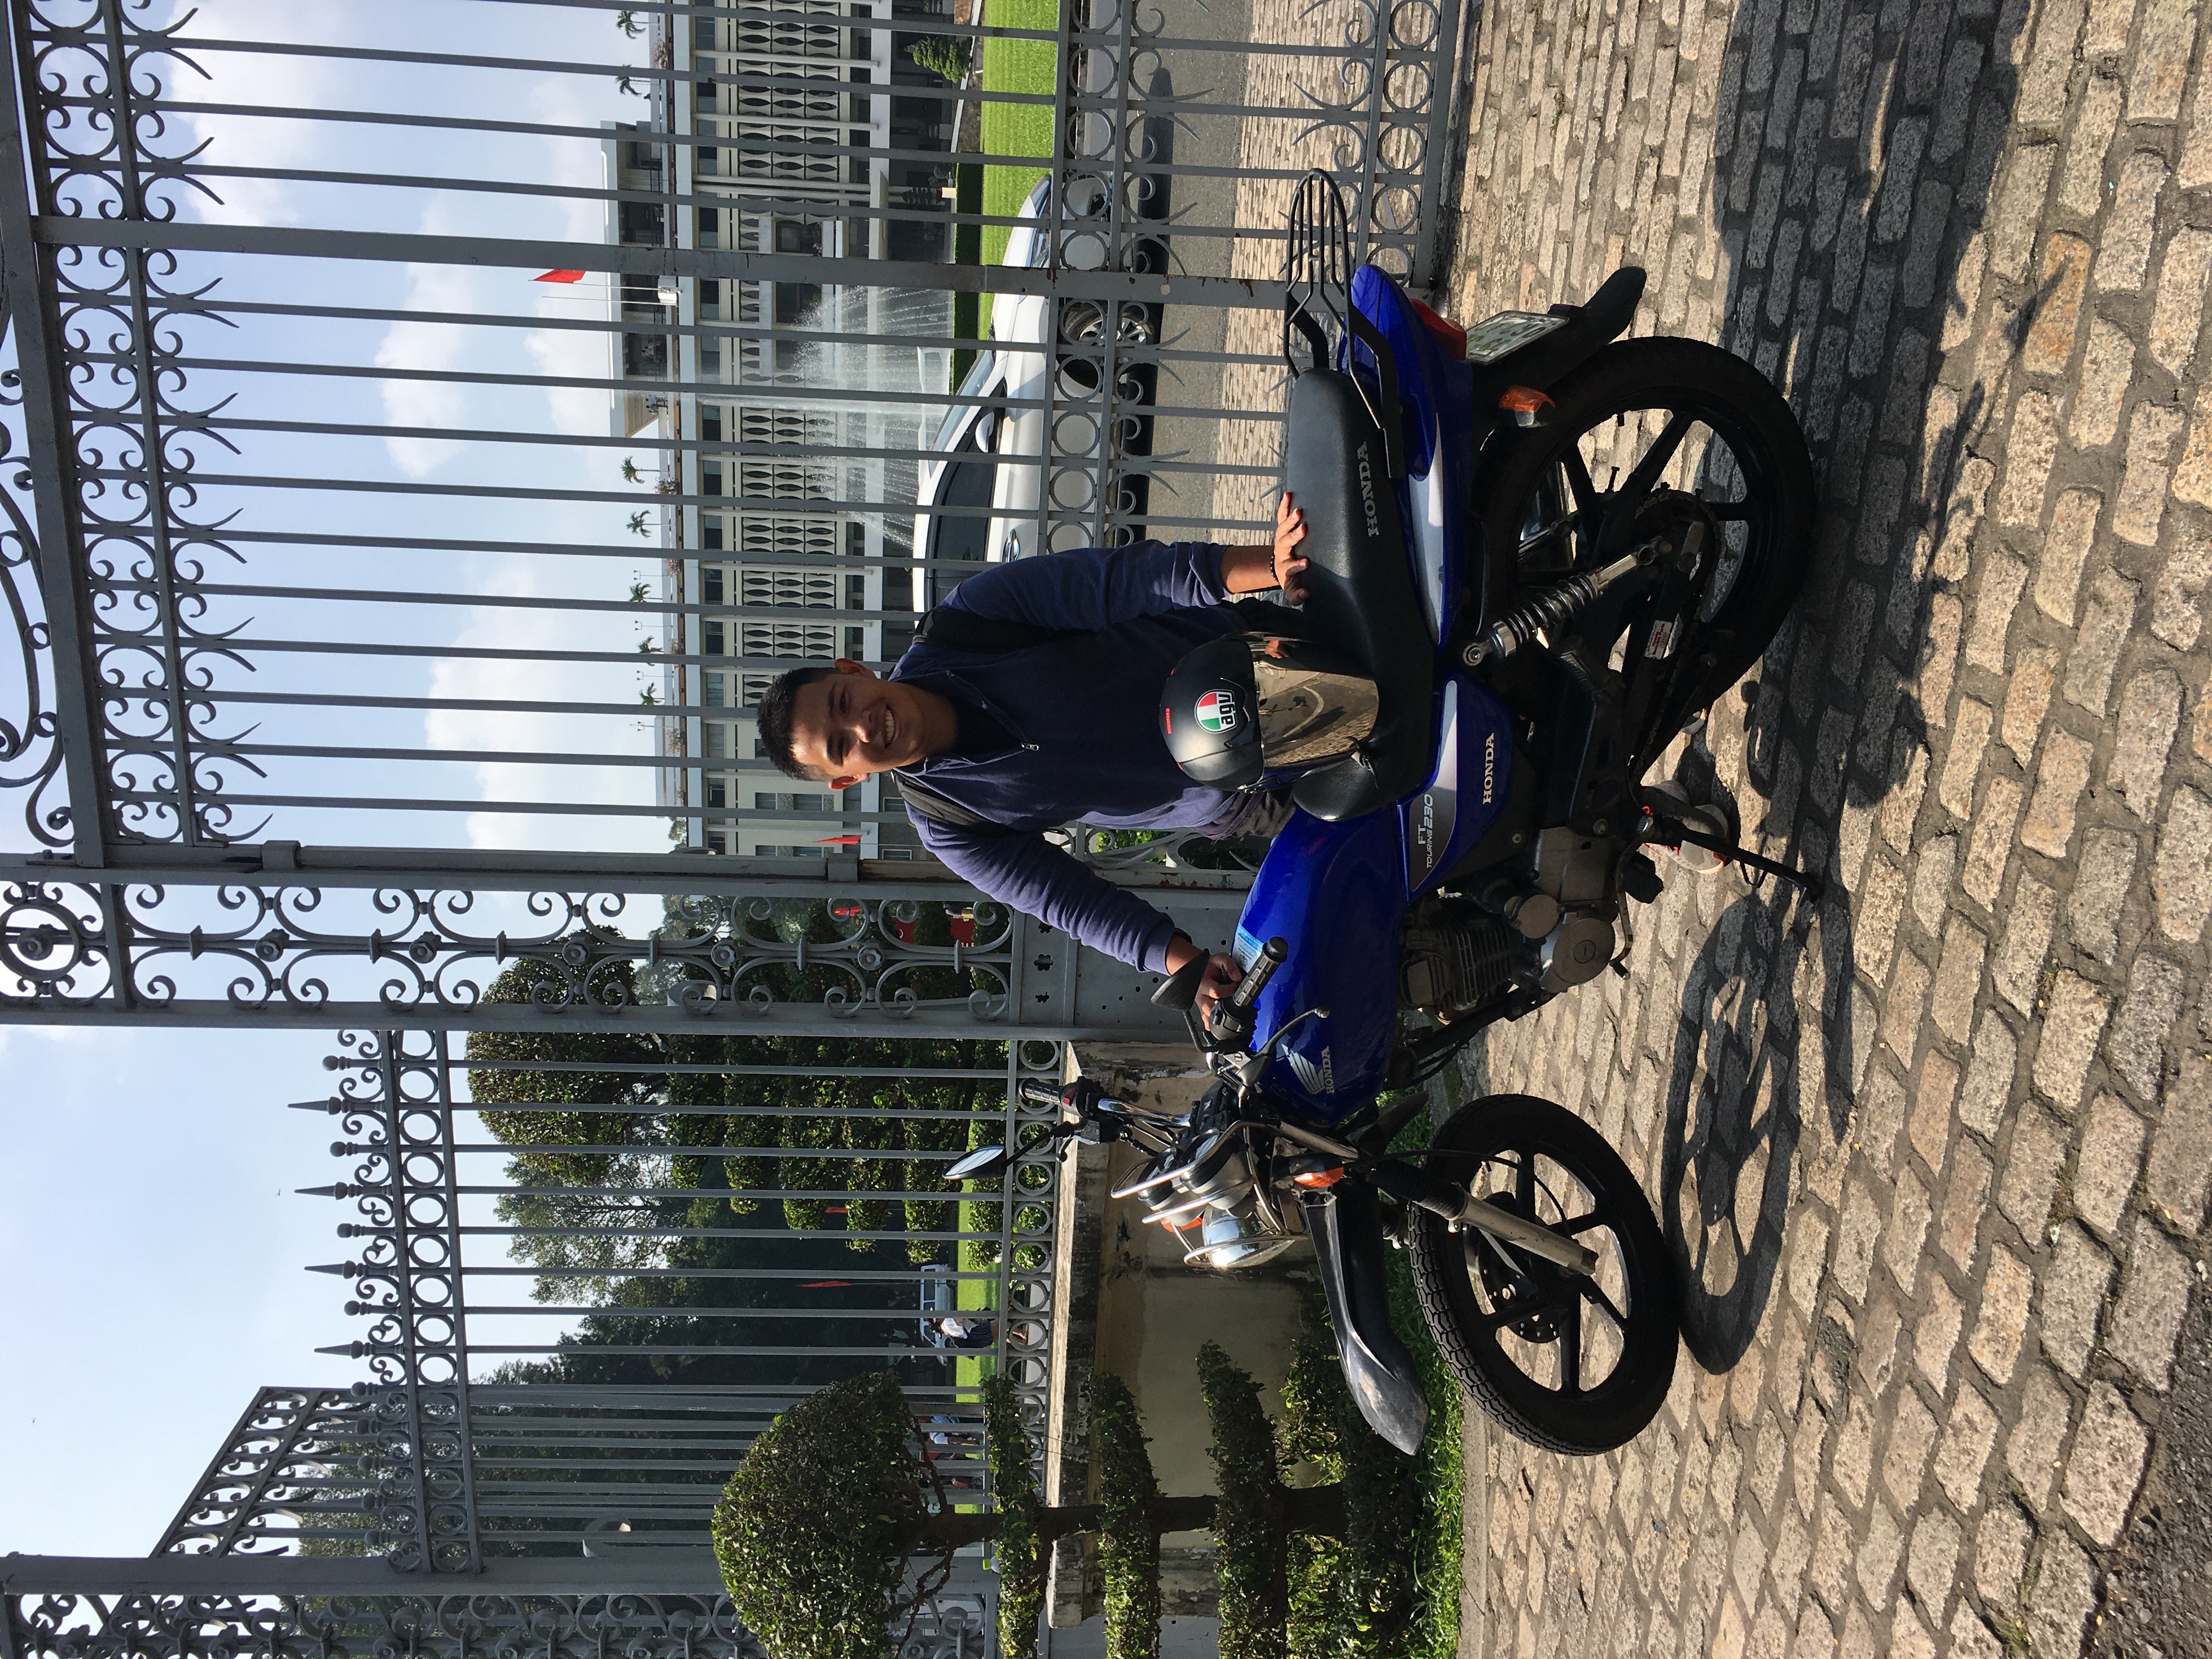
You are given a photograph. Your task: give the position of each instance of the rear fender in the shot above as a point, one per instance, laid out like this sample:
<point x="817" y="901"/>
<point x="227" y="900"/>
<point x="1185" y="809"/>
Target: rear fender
<point x="1541" y="364"/>
<point x="1346" y="1228"/>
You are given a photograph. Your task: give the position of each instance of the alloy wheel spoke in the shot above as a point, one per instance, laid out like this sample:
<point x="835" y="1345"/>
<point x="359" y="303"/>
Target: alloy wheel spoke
<point x="1578" y="481"/>
<point x="1641" y="482"/>
<point x="1594" y="1291"/>
<point x="1570" y="1347"/>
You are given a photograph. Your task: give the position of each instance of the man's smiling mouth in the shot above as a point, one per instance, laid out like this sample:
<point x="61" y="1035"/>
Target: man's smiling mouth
<point x="891" y="729"/>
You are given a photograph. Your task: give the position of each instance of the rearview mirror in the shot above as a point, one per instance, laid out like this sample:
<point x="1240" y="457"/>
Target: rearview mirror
<point x="983" y="1161"/>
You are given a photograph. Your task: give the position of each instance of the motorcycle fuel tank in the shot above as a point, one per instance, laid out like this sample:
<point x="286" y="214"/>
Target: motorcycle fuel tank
<point x="1337" y="892"/>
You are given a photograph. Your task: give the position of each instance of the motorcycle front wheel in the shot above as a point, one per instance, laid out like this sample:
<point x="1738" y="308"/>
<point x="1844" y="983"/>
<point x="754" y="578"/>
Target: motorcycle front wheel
<point x="1572" y="1363"/>
<point x="1650" y="430"/>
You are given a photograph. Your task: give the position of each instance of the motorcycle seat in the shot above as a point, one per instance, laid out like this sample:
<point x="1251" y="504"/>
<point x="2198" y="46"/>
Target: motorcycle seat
<point x="1362" y="601"/>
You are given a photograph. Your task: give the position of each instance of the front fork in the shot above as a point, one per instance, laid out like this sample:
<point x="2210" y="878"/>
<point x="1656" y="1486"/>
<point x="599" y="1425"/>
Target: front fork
<point x="1345" y="1224"/>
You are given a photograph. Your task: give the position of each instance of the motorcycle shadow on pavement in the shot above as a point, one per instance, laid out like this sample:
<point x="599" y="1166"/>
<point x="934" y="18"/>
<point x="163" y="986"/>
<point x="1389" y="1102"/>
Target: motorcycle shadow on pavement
<point x="1749" y="1084"/>
<point x="1853" y="175"/>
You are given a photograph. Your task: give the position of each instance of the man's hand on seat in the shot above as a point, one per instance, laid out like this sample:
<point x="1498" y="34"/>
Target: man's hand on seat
<point x="1276" y="565"/>
<point x="1290" y="564"/>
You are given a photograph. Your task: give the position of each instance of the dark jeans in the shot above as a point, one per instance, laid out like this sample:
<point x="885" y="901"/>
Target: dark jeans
<point x="1259" y="813"/>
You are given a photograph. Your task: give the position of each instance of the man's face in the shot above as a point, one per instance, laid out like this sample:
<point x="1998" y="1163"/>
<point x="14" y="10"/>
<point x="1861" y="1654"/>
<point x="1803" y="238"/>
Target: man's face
<point x="850" y="724"/>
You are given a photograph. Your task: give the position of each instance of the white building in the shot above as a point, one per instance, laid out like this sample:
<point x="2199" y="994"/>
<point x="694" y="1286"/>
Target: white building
<point x="807" y="532"/>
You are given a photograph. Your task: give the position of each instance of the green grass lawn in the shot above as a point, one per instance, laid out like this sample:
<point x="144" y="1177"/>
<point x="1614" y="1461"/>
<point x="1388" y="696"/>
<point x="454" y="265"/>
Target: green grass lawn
<point x="1027" y="66"/>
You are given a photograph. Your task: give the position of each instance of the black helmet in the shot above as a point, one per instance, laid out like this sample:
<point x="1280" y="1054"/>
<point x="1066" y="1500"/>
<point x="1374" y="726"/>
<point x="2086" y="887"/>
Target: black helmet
<point x="1247" y="704"/>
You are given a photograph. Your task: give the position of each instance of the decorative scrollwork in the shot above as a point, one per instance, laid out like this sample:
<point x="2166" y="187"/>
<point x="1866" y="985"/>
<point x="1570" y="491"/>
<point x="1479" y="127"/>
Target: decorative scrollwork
<point x="397" y="1118"/>
<point x="259" y="946"/>
<point x="158" y="657"/>
<point x="458" y="1626"/>
<point x="299" y="1471"/>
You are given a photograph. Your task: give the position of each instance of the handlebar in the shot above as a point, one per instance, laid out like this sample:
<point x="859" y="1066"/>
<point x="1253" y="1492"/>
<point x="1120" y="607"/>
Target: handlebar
<point x="1036" y="1091"/>
<point x="1232" y="1014"/>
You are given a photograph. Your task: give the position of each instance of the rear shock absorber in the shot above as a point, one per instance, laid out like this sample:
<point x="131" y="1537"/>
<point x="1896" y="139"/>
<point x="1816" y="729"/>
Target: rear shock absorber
<point x="1553" y="608"/>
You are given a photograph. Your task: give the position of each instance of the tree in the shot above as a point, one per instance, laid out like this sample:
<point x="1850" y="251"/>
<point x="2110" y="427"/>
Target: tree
<point x="943" y="55"/>
<point x="528" y="1108"/>
<point x="818" y="1533"/>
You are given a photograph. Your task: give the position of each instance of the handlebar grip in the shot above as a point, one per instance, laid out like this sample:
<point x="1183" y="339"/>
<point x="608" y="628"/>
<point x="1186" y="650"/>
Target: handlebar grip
<point x="1037" y="1092"/>
<point x="1272" y="957"/>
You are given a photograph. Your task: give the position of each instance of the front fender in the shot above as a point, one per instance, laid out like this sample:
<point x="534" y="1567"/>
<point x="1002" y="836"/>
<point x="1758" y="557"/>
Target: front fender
<point x="1345" y="1226"/>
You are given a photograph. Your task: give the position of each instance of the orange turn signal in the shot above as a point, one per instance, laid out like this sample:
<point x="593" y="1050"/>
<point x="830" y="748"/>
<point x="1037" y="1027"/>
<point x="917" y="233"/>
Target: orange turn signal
<point x="1525" y="403"/>
<point x="1317" y="1179"/>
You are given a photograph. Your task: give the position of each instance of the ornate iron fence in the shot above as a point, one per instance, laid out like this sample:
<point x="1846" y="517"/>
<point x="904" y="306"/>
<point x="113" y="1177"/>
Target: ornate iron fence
<point x="335" y="703"/>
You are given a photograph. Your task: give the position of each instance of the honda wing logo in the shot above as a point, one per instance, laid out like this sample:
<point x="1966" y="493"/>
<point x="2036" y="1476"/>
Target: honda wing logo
<point x="1318" y="1079"/>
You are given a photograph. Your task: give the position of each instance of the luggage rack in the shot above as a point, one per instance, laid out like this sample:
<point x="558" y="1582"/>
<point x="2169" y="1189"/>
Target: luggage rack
<point x="1317" y="297"/>
<point x="1316" y="274"/>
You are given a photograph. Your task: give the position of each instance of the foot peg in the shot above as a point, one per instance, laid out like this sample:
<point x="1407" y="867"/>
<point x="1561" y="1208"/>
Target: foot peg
<point x="1667" y="829"/>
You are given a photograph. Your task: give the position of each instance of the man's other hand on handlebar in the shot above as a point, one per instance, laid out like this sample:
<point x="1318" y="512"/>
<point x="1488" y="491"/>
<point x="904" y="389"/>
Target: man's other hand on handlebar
<point x="1222" y="974"/>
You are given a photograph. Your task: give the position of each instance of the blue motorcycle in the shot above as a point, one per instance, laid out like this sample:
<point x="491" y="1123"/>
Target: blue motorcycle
<point x="1537" y="552"/>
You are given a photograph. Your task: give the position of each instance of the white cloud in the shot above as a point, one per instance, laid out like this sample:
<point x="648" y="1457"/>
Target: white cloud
<point x="267" y="80"/>
<point x="617" y="683"/>
<point x="425" y="345"/>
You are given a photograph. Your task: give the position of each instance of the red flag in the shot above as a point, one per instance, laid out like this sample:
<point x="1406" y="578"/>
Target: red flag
<point x="560" y="277"/>
<point x="838" y="841"/>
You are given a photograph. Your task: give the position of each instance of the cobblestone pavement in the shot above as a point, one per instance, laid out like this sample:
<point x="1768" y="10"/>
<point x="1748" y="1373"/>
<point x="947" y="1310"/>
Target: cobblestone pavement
<point x="1934" y="1156"/>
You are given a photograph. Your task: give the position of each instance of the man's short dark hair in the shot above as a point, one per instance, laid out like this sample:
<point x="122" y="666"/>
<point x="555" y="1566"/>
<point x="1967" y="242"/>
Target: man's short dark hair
<point x="773" y="717"/>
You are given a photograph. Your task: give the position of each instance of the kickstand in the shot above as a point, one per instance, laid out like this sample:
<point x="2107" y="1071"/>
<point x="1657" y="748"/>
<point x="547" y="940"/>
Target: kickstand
<point x="1810" y="885"/>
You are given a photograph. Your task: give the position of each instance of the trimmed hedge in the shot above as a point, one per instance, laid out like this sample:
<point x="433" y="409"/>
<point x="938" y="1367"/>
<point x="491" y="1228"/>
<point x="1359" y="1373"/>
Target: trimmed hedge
<point x="1248" y="1534"/>
<point x="1128" y="1548"/>
<point x="1019" y="1552"/>
<point x="814" y="1529"/>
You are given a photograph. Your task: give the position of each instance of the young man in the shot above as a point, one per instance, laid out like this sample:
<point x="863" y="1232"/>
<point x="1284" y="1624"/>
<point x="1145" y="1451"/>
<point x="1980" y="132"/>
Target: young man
<point x="992" y="745"/>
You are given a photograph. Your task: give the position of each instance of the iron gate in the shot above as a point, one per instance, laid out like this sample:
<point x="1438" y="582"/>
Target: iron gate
<point x="333" y="710"/>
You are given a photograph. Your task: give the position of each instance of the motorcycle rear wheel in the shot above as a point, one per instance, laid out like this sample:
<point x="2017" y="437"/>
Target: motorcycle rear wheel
<point x="1751" y="472"/>
<point x="1520" y="1332"/>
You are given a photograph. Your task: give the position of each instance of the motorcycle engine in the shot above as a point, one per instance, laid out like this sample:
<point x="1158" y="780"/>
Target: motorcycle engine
<point x="1454" y="958"/>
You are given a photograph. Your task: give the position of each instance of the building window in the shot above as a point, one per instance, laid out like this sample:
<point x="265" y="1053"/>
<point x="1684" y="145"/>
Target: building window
<point x="716" y="642"/>
<point x="718" y="843"/>
<point x="710" y="287"/>
<point x="715" y="737"/>
<point x="710" y="415"/>
<point x="710" y="478"/>
<point x="716" y="691"/>
<point x="706" y="89"/>
<point x="794" y="236"/>
<point x="710" y="227"/>
<point x="710" y="532"/>
<point x="795" y="302"/>
<point x="645" y="357"/>
<point x="710" y="585"/>
<point x="718" y="793"/>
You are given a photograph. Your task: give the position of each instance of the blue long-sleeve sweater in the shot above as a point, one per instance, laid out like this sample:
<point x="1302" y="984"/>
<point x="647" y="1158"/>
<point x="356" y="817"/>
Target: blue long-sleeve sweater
<point x="1083" y="713"/>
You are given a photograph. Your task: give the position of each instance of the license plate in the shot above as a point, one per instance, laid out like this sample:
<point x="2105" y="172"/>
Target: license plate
<point x="1486" y="342"/>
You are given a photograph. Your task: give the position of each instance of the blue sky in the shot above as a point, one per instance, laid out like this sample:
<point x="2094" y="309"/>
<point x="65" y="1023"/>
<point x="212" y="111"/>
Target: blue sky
<point x="151" y="1251"/>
